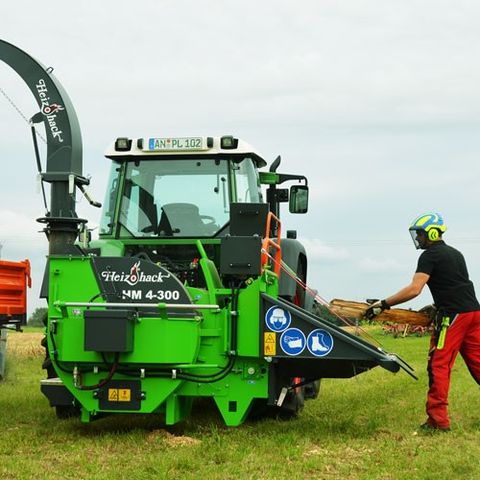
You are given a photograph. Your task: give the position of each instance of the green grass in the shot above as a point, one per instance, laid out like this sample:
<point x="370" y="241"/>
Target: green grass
<point x="360" y="428"/>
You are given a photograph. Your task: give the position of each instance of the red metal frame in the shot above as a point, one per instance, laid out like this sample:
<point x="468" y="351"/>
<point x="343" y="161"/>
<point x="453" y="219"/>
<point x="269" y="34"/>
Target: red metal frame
<point x="14" y="280"/>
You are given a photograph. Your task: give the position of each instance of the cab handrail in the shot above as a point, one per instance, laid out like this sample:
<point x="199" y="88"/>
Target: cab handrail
<point x="270" y="243"/>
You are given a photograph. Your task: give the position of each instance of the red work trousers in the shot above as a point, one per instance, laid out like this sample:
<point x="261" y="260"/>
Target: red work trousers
<point x="463" y="335"/>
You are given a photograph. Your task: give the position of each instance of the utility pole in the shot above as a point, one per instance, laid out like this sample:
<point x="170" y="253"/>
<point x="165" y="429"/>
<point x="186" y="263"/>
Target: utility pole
<point x="1" y="246"/>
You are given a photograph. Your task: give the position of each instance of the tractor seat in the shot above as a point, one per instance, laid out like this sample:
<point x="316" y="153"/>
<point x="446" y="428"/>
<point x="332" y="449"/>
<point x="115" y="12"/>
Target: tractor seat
<point x="181" y="219"/>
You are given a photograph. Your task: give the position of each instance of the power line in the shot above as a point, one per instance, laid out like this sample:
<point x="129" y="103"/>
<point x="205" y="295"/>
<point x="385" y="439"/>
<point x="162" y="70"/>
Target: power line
<point x="13" y="104"/>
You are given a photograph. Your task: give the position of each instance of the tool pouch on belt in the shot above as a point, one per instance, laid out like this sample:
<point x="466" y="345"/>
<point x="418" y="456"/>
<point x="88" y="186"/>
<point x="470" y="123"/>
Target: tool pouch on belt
<point x="442" y="322"/>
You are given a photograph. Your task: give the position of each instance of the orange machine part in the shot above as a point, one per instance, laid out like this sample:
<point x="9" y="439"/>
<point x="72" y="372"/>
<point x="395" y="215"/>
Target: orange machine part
<point x="269" y="243"/>
<point x="14" y="280"/>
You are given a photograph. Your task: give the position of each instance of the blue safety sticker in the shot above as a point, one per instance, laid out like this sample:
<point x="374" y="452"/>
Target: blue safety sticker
<point x="293" y="341"/>
<point x="319" y="342"/>
<point x="277" y="319"/>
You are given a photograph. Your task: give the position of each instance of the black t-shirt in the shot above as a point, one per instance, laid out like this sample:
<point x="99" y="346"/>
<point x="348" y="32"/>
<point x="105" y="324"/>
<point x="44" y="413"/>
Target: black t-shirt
<point x="451" y="289"/>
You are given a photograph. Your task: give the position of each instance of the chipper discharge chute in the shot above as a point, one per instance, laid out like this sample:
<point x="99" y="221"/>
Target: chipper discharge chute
<point x="185" y="293"/>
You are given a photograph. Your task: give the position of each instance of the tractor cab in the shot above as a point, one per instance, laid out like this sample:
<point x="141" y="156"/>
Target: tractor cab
<point x="164" y="193"/>
<point x="178" y="187"/>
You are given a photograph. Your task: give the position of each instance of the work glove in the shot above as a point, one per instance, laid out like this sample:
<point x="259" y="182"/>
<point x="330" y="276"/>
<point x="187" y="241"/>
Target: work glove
<point x="376" y="308"/>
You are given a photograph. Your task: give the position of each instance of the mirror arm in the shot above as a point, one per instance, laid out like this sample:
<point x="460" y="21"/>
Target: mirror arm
<point x="284" y="177"/>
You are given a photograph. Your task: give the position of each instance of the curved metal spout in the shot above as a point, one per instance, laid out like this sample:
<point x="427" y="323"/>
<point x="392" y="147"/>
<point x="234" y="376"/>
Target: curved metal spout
<point x="64" y="145"/>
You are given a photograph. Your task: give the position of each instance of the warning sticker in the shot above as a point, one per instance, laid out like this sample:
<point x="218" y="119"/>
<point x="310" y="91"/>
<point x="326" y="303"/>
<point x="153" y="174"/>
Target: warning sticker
<point x="119" y="395"/>
<point x="269" y="344"/>
<point x="124" y="395"/>
<point x="113" y="394"/>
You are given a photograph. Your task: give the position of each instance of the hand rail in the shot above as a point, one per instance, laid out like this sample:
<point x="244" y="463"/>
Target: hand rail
<point x="269" y="243"/>
<point x="161" y="306"/>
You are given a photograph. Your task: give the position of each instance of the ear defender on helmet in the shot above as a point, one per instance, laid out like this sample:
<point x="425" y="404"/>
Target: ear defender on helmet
<point x="433" y="235"/>
<point x="431" y="224"/>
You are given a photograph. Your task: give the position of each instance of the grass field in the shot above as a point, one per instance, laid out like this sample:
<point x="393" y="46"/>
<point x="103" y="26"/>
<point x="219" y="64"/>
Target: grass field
<point x="360" y="428"/>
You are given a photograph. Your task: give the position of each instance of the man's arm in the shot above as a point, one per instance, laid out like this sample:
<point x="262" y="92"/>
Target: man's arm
<point x="410" y="291"/>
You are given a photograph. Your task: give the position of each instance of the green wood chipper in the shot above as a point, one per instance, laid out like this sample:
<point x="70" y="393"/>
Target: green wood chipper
<point x="192" y="289"/>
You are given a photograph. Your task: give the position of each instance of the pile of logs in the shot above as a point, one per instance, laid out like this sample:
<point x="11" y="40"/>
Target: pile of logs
<point x="356" y="311"/>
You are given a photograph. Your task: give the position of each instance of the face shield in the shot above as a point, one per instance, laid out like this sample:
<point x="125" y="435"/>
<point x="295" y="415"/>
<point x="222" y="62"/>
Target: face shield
<point x="419" y="238"/>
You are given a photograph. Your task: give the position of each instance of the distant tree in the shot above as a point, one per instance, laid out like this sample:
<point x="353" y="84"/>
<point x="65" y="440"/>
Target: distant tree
<point x="36" y="319"/>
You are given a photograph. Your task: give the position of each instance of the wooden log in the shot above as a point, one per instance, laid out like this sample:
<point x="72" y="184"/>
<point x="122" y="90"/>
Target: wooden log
<point x="356" y="310"/>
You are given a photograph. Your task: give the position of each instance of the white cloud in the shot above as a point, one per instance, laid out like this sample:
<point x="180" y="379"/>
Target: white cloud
<point x="384" y="265"/>
<point x="318" y="251"/>
<point x="19" y="231"/>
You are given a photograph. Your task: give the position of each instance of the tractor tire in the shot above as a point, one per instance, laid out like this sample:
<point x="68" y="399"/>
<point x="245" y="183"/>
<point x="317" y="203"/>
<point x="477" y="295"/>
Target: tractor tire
<point x="293" y="403"/>
<point x="291" y="407"/>
<point x="312" y="390"/>
<point x="63" y="412"/>
<point x="47" y="363"/>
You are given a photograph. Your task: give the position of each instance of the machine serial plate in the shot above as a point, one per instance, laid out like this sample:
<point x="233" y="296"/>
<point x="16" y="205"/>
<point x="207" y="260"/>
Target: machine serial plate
<point x="184" y="144"/>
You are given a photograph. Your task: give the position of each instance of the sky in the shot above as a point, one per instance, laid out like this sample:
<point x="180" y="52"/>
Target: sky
<point x="375" y="101"/>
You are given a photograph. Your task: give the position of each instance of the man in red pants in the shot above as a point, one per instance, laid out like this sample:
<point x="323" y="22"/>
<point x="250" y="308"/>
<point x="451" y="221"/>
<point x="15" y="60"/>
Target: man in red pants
<point x="457" y="319"/>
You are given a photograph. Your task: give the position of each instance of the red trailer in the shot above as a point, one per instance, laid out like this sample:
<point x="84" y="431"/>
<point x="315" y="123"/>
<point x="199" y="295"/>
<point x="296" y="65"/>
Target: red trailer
<point x="14" y="280"/>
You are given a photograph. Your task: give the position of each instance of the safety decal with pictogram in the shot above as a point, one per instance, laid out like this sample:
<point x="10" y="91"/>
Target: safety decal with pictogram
<point x="277" y="319"/>
<point x="319" y="342"/>
<point x="293" y="341"/>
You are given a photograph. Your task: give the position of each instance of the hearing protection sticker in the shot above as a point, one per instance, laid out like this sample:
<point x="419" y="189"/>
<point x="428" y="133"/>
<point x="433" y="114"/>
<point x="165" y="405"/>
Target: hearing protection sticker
<point x="269" y="344"/>
<point x="293" y="341"/>
<point x="319" y="342"/>
<point x="277" y="319"/>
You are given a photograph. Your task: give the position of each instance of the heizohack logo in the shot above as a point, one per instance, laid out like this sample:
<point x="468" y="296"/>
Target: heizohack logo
<point x="49" y="110"/>
<point x="53" y="108"/>
<point x="134" y="271"/>
<point x="134" y="276"/>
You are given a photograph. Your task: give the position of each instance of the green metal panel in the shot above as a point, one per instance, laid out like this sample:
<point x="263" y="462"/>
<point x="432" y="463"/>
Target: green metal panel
<point x="269" y="178"/>
<point x="197" y="345"/>
<point x="157" y="341"/>
<point x="249" y="313"/>
<point x="109" y="248"/>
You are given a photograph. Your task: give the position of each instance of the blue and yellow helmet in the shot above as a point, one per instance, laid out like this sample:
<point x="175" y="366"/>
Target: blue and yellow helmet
<point x="430" y="223"/>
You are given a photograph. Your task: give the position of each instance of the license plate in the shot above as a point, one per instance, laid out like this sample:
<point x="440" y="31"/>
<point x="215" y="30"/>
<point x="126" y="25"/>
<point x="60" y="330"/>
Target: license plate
<point x="186" y="144"/>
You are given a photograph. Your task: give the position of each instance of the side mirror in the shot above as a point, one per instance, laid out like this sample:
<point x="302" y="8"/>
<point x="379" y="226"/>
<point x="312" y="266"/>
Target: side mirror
<point x="298" y="199"/>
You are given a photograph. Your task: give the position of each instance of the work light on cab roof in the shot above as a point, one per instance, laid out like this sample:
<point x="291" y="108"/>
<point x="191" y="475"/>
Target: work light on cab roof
<point x="181" y="145"/>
